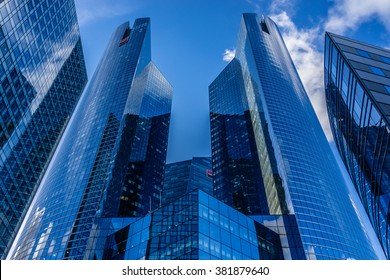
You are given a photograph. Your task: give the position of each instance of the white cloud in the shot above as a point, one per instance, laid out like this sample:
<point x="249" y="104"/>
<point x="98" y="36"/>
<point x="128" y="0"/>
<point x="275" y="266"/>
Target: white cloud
<point x="278" y="6"/>
<point x="350" y="14"/>
<point x="302" y="45"/>
<point x="305" y="44"/>
<point x="92" y="10"/>
<point x="228" y="55"/>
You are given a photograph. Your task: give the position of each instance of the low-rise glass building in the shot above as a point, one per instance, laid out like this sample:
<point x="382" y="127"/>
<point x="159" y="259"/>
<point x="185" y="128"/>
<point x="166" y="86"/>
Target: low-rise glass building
<point x="198" y="226"/>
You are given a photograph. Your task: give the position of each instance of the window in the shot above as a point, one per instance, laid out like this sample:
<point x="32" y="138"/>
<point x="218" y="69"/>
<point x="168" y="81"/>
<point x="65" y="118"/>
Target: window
<point x="377" y="71"/>
<point x="387" y="88"/>
<point x="385" y="59"/>
<point x="264" y="26"/>
<point x="363" y="53"/>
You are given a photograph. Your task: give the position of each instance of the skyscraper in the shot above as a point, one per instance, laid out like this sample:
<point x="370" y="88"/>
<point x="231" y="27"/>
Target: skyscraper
<point x="236" y="162"/>
<point x="262" y="122"/>
<point x="110" y="162"/>
<point x="185" y="176"/>
<point x="42" y="76"/>
<point x="357" y="81"/>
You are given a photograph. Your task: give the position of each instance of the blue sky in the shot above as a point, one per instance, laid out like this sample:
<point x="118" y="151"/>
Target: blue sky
<point x="192" y="41"/>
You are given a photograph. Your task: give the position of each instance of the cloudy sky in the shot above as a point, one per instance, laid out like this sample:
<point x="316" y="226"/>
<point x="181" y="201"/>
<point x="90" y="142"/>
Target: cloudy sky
<point x="192" y="41"/>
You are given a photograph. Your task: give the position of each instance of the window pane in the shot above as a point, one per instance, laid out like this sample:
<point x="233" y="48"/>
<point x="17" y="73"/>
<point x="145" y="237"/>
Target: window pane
<point x="377" y="71"/>
<point x="363" y="53"/>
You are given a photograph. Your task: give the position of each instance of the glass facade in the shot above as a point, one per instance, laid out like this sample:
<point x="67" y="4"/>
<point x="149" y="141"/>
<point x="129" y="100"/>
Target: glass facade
<point x="298" y="172"/>
<point x="191" y="224"/>
<point x="115" y="144"/>
<point x="197" y="226"/>
<point x="236" y="180"/>
<point x="136" y="177"/>
<point x="185" y="176"/>
<point x="42" y="75"/>
<point x="357" y="80"/>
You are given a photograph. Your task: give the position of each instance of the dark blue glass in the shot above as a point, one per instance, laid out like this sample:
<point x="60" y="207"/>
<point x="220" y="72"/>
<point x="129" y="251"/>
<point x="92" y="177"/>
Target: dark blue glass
<point x="42" y="77"/>
<point x="235" y="161"/>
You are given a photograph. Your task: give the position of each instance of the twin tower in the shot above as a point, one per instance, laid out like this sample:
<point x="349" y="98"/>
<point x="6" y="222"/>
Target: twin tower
<point x="277" y="190"/>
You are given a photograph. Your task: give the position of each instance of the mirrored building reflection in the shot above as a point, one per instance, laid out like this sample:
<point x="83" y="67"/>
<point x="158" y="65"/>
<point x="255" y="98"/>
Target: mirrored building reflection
<point x="42" y="76"/>
<point x="270" y="156"/>
<point x="110" y="162"/>
<point x="357" y="80"/>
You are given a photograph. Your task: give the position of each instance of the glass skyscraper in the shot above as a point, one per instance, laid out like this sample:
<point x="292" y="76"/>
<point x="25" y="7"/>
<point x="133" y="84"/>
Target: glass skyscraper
<point x="110" y="162"/>
<point x="270" y="156"/>
<point x="236" y="163"/>
<point x="185" y="176"/>
<point x="357" y="81"/>
<point x="42" y="76"/>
